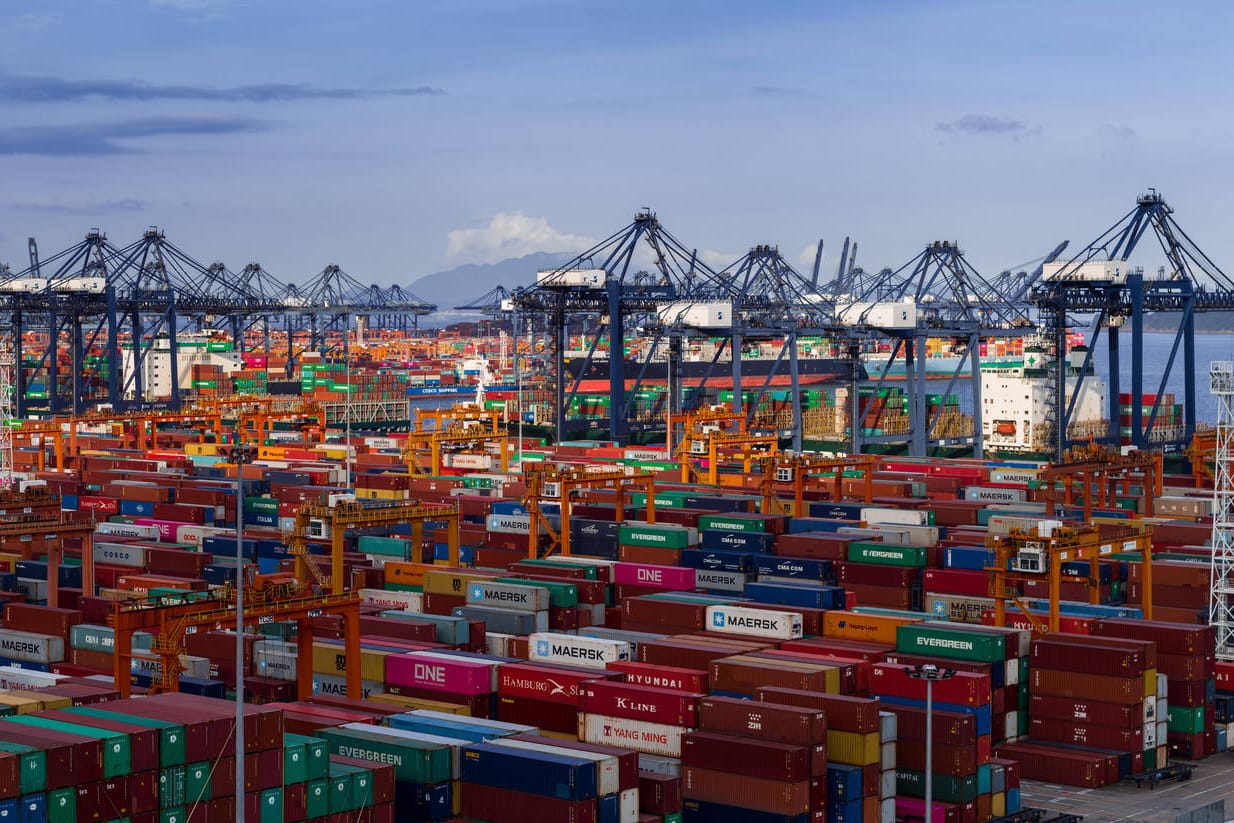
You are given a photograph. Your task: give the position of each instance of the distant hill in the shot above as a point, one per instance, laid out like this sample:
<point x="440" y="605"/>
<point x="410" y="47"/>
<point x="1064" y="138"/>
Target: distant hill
<point x="1217" y="321"/>
<point x="464" y="284"/>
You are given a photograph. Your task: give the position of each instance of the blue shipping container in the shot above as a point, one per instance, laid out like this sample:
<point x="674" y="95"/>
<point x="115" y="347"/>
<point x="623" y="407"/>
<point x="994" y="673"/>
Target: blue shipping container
<point x="547" y="775"/>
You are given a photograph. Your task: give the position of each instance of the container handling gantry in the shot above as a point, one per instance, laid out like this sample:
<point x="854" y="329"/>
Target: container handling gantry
<point x="1031" y="556"/>
<point x="814" y="471"/>
<point x="172" y="615"/>
<point x="316" y="523"/>
<point x="1097" y="474"/>
<point x="549" y="483"/>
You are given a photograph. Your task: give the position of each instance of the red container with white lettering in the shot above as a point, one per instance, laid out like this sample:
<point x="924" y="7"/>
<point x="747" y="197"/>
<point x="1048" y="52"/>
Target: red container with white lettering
<point x="464" y="677"/>
<point x="559" y="684"/>
<point x="639" y="703"/>
<point x="675" y="578"/>
<point x="661" y="677"/>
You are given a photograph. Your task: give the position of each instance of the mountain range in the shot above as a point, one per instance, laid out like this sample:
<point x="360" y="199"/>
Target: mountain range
<point x="465" y="284"/>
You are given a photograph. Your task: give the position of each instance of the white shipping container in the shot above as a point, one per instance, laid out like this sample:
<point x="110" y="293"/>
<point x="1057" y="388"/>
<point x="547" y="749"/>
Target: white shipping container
<point x="12" y="677"/>
<point x="194" y="535"/>
<point x="497" y="644"/>
<point x="590" y="652"/>
<point x="608" y="779"/>
<point x="1002" y="524"/>
<point x="904" y="517"/>
<point x="381" y="442"/>
<point x="1014" y="475"/>
<point x="754" y="622"/>
<point x="126" y="530"/>
<point x="31" y="647"/>
<point x="879" y="315"/>
<point x="635" y="735"/>
<point x="585" y="278"/>
<point x="279" y="664"/>
<point x="407" y="601"/>
<point x="717" y="314"/>
<point x="467" y="461"/>
<point x="121" y="554"/>
<point x="994" y="494"/>
<point x="629" y="806"/>
<point x="908" y="535"/>
<point x="153" y="665"/>
<point x="957" y="608"/>
<point x="35" y="591"/>
<point x="508" y="523"/>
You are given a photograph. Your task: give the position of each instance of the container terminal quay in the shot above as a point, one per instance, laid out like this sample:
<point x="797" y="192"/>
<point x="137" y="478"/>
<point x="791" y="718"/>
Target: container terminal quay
<point x="639" y="540"/>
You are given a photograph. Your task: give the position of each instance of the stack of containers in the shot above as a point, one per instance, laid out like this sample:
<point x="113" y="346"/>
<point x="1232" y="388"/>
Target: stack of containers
<point x="963" y="693"/>
<point x="504" y="784"/>
<point x="1086" y="718"/>
<point x="755" y="757"/>
<point x="542" y="695"/>
<point x="1186" y="659"/>
<point x="617" y="771"/>
<point x="656" y="543"/>
<point x="976" y="649"/>
<point x="467" y="681"/>
<point x="425" y="764"/>
<point x="861" y="753"/>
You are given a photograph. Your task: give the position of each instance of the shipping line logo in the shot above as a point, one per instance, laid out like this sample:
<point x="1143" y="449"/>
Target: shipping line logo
<point x="542" y="648"/>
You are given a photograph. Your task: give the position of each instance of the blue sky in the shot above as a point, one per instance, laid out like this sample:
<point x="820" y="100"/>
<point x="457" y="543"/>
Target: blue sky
<point x="401" y="138"/>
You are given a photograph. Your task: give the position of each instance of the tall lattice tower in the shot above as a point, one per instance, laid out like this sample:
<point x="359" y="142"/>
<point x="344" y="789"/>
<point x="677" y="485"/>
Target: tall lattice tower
<point x="1221" y="578"/>
<point x="6" y="415"/>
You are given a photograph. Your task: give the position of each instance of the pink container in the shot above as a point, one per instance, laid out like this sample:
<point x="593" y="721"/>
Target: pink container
<point x="167" y="528"/>
<point x="438" y="674"/>
<point x="673" y="578"/>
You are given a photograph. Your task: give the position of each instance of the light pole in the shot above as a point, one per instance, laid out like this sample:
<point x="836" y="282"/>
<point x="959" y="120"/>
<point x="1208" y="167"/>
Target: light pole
<point x="929" y="673"/>
<point x="240" y="454"/>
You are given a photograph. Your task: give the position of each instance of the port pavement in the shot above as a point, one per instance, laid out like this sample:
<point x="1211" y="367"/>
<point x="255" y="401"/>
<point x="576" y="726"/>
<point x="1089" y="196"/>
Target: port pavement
<point x="1211" y="780"/>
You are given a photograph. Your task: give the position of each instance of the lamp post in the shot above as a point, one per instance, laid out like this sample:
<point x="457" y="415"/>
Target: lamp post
<point x="930" y="673"/>
<point x="240" y="454"/>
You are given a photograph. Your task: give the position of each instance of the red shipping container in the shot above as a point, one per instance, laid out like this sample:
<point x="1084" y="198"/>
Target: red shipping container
<point x="742" y="791"/>
<point x="661" y="677"/>
<point x="616" y="699"/>
<point x="963" y="689"/>
<point x="504" y="806"/>
<point x="1085" y="734"/>
<point x="658" y="794"/>
<point x="844" y="713"/>
<point x="1086" y="711"/>
<point x="544" y="714"/>
<point x="769" y="721"/>
<point x="758" y="758"/>
<point x="559" y="684"/>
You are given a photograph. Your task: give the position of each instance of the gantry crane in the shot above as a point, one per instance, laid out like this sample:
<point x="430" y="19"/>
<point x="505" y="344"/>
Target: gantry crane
<point x="255" y="424"/>
<point x="466" y="434"/>
<point x="1038" y="554"/>
<point x="815" y="471"/>
<point x="557" y="484"/>
<point x="464" y="413"/>
<point x="1096" y="473"/>
<point x="37" y="512"/>
<point x="316" y="523"/>
<point x="170" y="616"/>
<point x="1201" y="454"/>
<point x="712" y="433"/>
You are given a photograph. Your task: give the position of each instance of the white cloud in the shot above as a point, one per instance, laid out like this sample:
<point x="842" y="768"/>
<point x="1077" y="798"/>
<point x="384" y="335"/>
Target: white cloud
<point x="717" y="259"/>
<point x="511" y="234"/>
<point x="805" y="259"/>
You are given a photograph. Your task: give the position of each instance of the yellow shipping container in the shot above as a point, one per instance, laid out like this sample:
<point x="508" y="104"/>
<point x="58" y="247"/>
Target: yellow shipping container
<point x="201" y="449"/>
<point x="330" y="659"/>
<point x="998" y="804"/>
<point x="21" y="703"/>
<point x="1150" y="682"/>
<point x="875" y="628"/>
<point x="271" y="453"/>
<point x="420" y="703"/>
<point x="382" y="494"/>
<point x="332" y="452"/>
<point x="853" y="748"/>
<point x="450" y="581"/>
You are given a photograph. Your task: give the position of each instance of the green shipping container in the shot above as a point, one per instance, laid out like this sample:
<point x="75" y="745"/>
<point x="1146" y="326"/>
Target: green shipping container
<point x="317" y="799"/>
<point x="197" y="782"/>
<point x="384" y="546"/>
<point x="117" y="760"/>
<point x="361" y="784"/>
<point x="590" y="574"/>
<point x="886" y="554"/>
<point x="414" y="761"/>
<point x="936" y="641"/>
<point x="32" y="763"/>
<point x="265" y="505"/>
<point x="173" y="787"/>
<point x="654" y="536"/>
<point x="295" y="762"/>
<point x="62" y="805"/>
<point x="340" y="792"/>
<point x="1185" y="720"/>
<point x="171" y="735"/>
<point x="271" y="806"/>
<point x="176" y="814"/>
<point x="948" y="789"/>
<point x="731" y="524"/>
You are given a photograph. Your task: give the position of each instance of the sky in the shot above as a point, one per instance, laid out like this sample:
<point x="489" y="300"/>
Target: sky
<point x="398" y="138"/>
